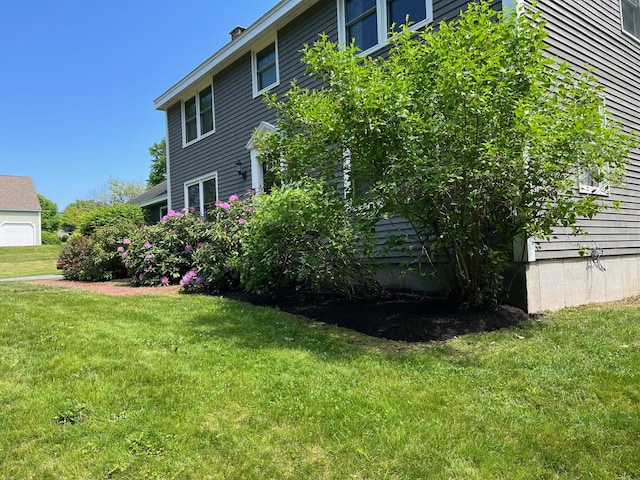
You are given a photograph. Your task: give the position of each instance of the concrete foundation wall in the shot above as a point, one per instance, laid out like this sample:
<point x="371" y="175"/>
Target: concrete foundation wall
<point x="554" y="284"/>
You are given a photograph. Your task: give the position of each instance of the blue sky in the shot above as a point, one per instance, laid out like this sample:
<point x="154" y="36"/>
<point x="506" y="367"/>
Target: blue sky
<point x="78" y="79"/>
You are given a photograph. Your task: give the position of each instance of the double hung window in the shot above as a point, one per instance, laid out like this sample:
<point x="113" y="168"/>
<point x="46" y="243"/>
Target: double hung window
<point x="631" y="17"/>
<point x="367" y="22"/>
<point x="201" y="193"/>
<point x="265" y="68"/>
<point x="197" y="114"/>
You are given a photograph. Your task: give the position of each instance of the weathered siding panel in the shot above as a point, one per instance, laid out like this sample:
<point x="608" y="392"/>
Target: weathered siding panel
<point x="590" y="33"/>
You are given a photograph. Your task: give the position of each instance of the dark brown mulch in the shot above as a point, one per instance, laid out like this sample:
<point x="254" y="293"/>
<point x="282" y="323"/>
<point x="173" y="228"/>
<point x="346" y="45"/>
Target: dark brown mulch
<point x="397" y="316"/>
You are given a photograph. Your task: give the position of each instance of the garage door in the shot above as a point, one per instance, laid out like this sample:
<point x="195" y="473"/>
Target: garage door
<point x="17" y="234"/>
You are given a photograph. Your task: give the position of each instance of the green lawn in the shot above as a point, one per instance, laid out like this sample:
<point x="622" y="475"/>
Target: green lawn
<point x="26" y="261"/>
<point x="194" y="387"/>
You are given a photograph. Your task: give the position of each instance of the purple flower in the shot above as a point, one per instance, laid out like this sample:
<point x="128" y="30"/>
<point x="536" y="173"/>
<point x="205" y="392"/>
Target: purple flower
<point x="121" y="249"/>
<point x="192" y="209"/>
<point x="188" y="248"/>
<point x="147" y="245"/>
<point x="242" y="220"/>
<point x="127" y="264"/>
<point x="200" y="245"/>
<point x="125" y="255"/>
<point x="148" y="256"/>
<point x="164" y="280"/>
<point x="126" y="241"/>
<point x="233" y="198"/>
<point x="141" y="277"/>
<point x="199" y="280"/>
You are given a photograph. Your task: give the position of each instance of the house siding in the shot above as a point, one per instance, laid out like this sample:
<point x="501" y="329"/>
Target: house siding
<point x="590" y="33"/>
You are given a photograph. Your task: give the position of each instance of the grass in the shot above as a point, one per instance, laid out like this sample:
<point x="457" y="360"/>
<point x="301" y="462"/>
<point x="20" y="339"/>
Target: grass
<point x="195" y="387"/>
<point x="27" y="261"/>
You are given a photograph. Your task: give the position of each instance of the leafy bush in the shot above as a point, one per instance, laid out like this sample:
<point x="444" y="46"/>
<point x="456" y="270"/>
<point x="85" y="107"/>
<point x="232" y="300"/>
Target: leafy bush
<point x="106" y="241"/>
<point x="50" y="238"/>
<point x="301" y="236"/>
<point x="216" y="258"/>
<point x="118" y="213"/>
<point x="78" y="260"/>
<point x="162" y="254"/>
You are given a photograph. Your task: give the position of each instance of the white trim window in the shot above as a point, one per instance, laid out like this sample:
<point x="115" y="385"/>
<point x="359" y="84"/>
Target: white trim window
<point x="367" y="22"/>
<point x="266" y="68"/>
<point x="588" y="181"/>
<point x="198" y="116"/>
<point x="201" y="193"/>
<point x="630" y="10"/>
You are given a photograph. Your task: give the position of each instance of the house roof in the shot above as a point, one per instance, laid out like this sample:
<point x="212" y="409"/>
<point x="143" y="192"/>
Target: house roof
<point x="18" y="194"/>
<point x="278" y="16"/>
<point x="155" y="194"/>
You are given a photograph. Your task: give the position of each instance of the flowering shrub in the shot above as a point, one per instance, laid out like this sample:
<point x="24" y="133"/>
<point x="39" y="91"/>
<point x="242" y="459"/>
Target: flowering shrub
<point x="162" y="254"/>
<point x="301" y="236"/>
<point x="95" y="258"/>
<point x="216" y="258"/>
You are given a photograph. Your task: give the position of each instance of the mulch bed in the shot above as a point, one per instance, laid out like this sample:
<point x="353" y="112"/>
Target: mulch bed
<point x="402" y="316"/>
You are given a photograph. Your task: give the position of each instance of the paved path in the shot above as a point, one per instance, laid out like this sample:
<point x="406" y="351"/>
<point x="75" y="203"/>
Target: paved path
<point x="35" y="277"/>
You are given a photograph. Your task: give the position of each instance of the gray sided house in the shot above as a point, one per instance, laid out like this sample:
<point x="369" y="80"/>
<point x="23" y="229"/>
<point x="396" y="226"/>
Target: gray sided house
<point x="153" y="202"/>
<point x="19" y="212"/>
<point x="214" y="111"/>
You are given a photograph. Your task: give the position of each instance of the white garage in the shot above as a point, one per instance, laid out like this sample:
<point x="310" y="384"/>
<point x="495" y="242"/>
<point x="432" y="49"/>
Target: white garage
<point x="19" y="212"/>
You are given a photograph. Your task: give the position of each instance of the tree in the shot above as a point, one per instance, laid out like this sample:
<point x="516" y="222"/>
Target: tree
<point x="49" y="218"/>
<point x="118" y="191"/>
<point x="158" y="173"/>
<point x="470" y="132"/>
<point x="74" y="213"/>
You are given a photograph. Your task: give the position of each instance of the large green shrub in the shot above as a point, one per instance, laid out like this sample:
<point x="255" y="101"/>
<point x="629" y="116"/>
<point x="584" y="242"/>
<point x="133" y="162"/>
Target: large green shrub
<point x="96" y="258"/>
<point x="119" y="213"/>
<point x="50" y="238"/>
<point x="301" y="237"/>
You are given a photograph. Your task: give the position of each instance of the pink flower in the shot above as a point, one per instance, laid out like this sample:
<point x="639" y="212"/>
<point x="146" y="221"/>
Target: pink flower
<point x="233" y="198"/>
<point x="147" y="245"/>
<point x="148" y="256"/>
<point x="223" y="205"/>
<point x="126" y="241"/>
<point x="141" y="277"/>
<point x="121" y="249"/>
<point x="127" y="264"/>
<point x="165" y="218"/>
<point x="164" y="280"/>
<point x="242" y="220"/>
<point x="125" y="255"/>
<point x="188" y="248"/>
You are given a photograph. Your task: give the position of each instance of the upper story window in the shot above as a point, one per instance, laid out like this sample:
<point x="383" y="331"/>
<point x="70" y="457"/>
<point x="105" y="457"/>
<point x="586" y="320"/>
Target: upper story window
<point x="265" y="68"/>
<point x="631" y="17"/>
<point x="197" y="115"/>
<point x="368" y="22"/>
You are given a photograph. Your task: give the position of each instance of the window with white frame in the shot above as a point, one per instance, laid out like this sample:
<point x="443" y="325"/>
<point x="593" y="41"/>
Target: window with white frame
<point x="631" y="17"/>
<point x="198" y="116"/>
<point x="201" y="193"/>
<point x="589" y="181"/>
<point x="367" y="22"/>
<point x="265" y="68"/>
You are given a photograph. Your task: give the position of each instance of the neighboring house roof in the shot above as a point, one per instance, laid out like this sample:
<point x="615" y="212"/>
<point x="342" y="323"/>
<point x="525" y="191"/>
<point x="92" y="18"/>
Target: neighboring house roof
<point x="18" y="194"/>
<point x="265" y="25"/>
<point x="155" y="194"/>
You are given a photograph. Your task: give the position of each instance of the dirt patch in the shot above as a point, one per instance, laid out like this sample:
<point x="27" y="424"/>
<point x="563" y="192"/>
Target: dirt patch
<point x="396" y="316"/>
<point x="113" y="287"/>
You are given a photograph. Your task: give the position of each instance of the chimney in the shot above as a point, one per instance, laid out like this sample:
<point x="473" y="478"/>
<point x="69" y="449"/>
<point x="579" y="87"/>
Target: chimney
<point x="236" y="32"/>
